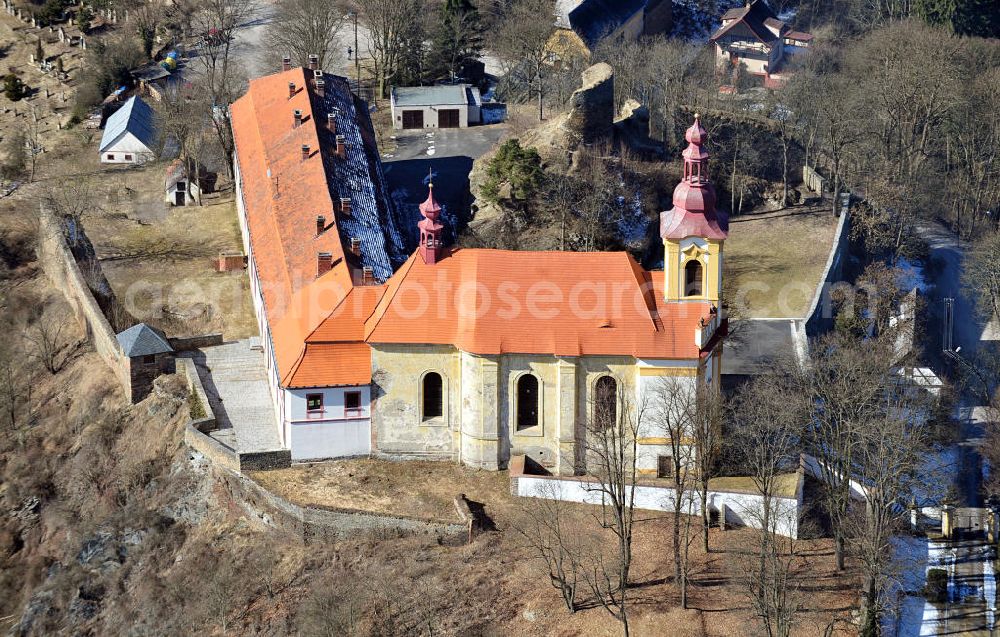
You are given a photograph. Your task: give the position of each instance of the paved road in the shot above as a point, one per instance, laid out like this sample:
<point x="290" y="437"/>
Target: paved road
<point x="971" y="605"/>
<point x="971" y="609"/>
<point x="445" y="154"/>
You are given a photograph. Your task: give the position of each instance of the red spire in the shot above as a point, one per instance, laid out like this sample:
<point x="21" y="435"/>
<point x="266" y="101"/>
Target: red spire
<point x="431" y="246"/>
<point x="693" y="214"/>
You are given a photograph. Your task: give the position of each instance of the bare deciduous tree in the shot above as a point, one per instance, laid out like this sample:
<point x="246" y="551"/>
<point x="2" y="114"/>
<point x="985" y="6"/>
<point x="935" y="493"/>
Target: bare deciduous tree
<point x="610" y="449"/>
<point x="391" y="29"/>
<point x="765" y="436"/>
<point x="306" y="27"/>
<point x="222" y="78"/>
<point x="552" y="536"/>
<point x="520" y="43"/>
<point x="47" y="341"/>
<point x="672" y="405"/>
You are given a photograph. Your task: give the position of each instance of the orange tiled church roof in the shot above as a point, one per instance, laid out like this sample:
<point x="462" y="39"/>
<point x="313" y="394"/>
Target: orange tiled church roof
<point x="560" y="303"/>
<point x="321" y="324"/>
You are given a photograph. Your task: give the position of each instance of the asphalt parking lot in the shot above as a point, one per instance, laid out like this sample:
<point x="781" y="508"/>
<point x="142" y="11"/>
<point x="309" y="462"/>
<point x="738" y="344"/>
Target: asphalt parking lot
<point x="447" y="156"/>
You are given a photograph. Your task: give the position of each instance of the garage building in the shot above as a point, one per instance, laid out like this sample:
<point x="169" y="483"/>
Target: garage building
<point x="415" y="107"/>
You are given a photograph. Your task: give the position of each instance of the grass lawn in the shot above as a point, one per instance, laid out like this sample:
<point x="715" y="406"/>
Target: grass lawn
<point x="413" y="488"/>
<point x="160" y="260"/>
<point x="774" y="260"/>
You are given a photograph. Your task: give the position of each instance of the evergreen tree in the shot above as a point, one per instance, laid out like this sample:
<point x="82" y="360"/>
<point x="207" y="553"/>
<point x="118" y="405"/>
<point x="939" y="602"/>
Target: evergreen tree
<point x="964" y="17"/>
<point x="457" y="40"/>
<point x="517" y="166"/>
<point x="13" y="88"/>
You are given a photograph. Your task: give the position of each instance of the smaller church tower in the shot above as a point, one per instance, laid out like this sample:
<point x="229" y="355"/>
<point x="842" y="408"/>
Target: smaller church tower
<point x="431" y="246"/>
<point x="693" y="232"/>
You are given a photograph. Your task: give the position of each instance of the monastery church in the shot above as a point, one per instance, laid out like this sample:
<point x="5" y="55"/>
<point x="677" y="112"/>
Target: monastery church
<point x="469" y="355"/>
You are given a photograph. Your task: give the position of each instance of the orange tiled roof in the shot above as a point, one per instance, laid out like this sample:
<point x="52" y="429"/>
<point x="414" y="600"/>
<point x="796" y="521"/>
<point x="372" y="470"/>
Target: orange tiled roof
<point x="321" y="326"/>
<point x="339" y="335"/>
<point x="283" y="194"/>
<point x="561" y="303"/>
<point x="342" y="363"/>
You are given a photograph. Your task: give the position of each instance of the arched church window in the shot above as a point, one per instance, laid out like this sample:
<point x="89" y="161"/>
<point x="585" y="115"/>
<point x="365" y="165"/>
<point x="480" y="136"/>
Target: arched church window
<point x="433" y="396"/>
<point x="527" y="402"/>
<point x="605" y="402"/>
<point x="693" y="278"/>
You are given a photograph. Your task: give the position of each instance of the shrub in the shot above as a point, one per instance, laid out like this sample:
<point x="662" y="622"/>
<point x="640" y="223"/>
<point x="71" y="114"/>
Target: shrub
<point x="13" y="88"/>
<point x="195" y="408"/>
<point x="936" y="589"/>
<point x="83" y="19"/>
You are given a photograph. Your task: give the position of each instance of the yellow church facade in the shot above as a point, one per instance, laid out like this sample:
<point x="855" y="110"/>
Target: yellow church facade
<point x="482" y="355"/>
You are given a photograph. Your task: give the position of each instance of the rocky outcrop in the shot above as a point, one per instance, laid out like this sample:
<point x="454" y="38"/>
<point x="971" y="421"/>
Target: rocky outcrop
<point x="593" y="105"/>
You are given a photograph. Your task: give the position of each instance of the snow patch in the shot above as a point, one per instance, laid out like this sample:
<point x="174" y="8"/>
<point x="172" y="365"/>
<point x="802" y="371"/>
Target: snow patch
<point x="911" y="276"/>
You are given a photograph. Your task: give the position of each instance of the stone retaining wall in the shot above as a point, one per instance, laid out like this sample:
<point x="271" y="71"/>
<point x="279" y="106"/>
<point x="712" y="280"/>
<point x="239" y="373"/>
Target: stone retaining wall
<point x="313" y="524"/>
<point x="195" y="342"/>
<point x="308" y="522"/>
<point x="196" y="431"/>
<point x="62" y="269"/>
<point x="738" y="508"/>
<point x="819" y="318"/>
<point x="813" y="180"/>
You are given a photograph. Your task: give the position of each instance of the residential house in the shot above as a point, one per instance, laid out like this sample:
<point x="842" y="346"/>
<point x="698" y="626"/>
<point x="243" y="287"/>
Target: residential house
<point x="581" y="24"/>
<point x="129" y="134"/>
<point x="751" y="36"/>
<point x="469" y="355"/>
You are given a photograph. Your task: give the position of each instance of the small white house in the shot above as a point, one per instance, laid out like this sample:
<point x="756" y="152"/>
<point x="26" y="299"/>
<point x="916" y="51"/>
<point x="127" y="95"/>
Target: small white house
<point x="416" y="107"/>
<point x="129" y="134"/>
<point x="180" y="187"/>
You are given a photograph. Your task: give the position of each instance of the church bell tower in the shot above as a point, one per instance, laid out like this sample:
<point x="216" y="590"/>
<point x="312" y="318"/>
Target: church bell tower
<point x="693" y="232"/>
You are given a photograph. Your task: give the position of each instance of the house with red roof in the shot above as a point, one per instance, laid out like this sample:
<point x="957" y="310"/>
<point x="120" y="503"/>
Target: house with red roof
<point x="467" y="355"/>
<point x="753" y="36"/>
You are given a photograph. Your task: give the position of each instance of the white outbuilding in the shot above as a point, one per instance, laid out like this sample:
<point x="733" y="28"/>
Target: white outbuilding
<point x="129" y="134"/>
<point x="452" y="106"/>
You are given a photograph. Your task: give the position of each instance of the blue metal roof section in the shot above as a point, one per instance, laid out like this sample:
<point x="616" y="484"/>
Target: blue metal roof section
<point x="136" y="117"/>
<point x="594" y="19"/>
<point x="374" y="219"/>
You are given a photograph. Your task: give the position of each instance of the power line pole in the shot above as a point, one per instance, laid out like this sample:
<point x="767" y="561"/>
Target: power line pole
<point x="357" y="52"/>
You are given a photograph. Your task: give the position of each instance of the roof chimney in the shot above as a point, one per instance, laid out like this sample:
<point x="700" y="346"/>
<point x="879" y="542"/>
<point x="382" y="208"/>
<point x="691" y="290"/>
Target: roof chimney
<point x="367" y="276"/>
<point x="331" y="122"/>
<point x="305" y="152"/>
<point x="318" y="74"/>
<point x="341" y="146"/>
<point x="320" y="88"/>
<point x="296" y="118"/>
<point x="324" y="263"/>
<point x="356" y="246"/>
<point x="286" y="63"/>
<point x="345" y="205"/>
<point x="320" y="224"/>
<point x="313" y="62"/>
<point x="291" y="90"/>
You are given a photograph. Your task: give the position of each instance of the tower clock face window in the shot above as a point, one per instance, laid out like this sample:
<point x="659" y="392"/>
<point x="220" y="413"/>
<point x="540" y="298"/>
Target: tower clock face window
<point x="693" y="278"/>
